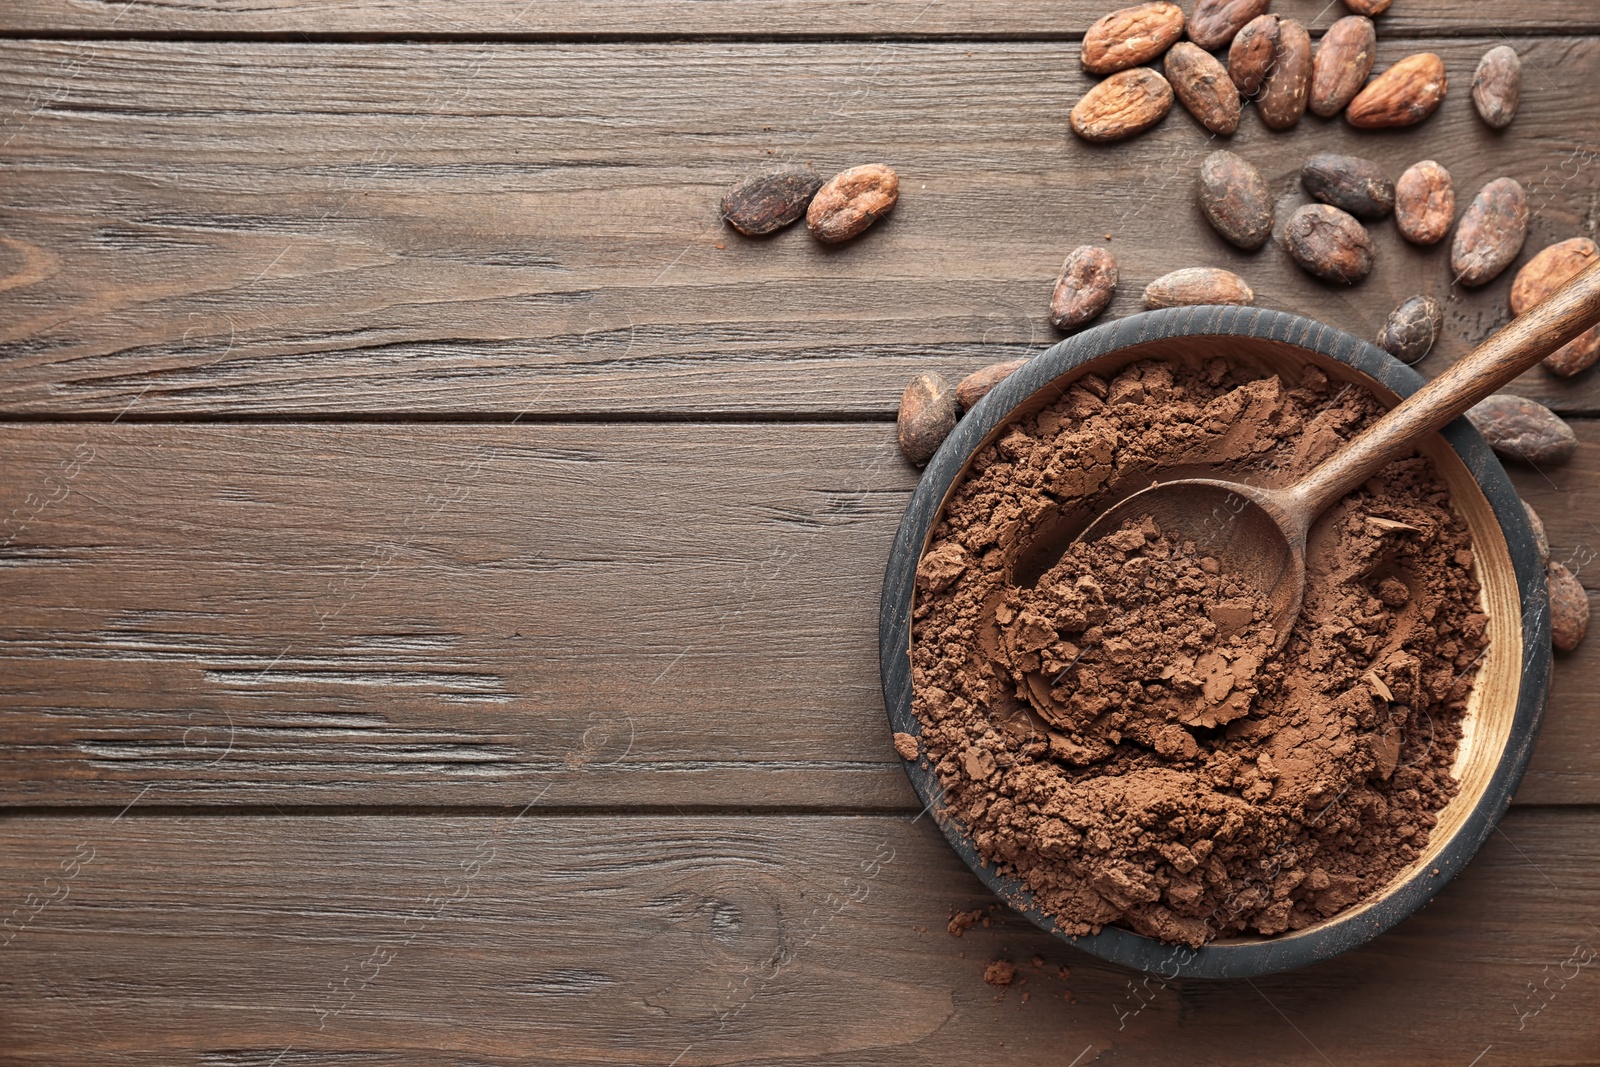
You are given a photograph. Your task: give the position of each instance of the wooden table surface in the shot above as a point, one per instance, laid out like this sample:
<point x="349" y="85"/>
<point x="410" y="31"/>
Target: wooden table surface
<point x="440" y="561"/>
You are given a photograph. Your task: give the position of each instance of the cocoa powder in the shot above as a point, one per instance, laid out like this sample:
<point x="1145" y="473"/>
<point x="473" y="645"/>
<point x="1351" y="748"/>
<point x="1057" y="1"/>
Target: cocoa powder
<point x="1118" y="733"/>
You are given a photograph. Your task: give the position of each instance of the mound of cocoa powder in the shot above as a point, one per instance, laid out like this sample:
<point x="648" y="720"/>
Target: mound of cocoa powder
<point x="1119" y="733"/>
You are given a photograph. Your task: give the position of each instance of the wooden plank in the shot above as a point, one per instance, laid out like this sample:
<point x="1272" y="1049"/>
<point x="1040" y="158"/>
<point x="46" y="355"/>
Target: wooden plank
<point x="678" y="18"/>
<point x="714" y="940"/>
<point x="201" y="228"/>
<point x="579" y="616"/>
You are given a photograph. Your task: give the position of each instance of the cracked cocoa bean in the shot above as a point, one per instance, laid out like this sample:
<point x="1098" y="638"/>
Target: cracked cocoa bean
<point x="851" y="201"/>
<point x="1412" y="328"/>
<point x="1087" y="282"/>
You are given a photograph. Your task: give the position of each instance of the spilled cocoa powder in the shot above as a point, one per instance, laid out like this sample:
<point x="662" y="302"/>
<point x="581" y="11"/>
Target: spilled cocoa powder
<point x="1120" y="734"/>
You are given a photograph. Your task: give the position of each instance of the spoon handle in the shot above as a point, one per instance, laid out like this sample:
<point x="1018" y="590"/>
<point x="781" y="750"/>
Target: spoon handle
<point x="1525" y="341"/>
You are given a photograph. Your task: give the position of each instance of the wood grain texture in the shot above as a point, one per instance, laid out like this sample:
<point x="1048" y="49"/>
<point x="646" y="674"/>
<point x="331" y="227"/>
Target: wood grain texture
<point x="590" y="616"/>
<point x="761" y="18"/>
<point x="286" y="229"/>
<point x="698" y="940"/>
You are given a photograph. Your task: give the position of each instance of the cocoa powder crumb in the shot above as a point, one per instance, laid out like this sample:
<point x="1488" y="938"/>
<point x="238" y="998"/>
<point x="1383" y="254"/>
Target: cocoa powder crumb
<point x="906" y="745"/>
<point x="1000" y="972"/>
<point x="1118" y="734"/>
<point x="962" y="921"/>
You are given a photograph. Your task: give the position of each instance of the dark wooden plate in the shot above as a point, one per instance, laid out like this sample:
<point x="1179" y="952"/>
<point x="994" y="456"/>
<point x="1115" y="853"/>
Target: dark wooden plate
<point x="1508" y="698"/>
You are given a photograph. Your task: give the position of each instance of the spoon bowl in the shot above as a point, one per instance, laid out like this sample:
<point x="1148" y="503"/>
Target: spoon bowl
<point x="1252" y="533"/>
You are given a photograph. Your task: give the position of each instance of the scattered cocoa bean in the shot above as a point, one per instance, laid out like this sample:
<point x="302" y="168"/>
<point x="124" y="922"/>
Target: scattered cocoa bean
<point x="1368" y="7"/>
<point x="1412" y="328"/>
<point x="975" y="386"/>
<point x="766" y="203"/>
<point x="1329" y="243"/>
<point x="1403" y="95"/>
<point x="1541" y="540"/>
<point x="1216" y="22"/>
<point x="1523" y="429"/>
<point x="1236" y="200"/>
<point x="1569" y="607"/>
<point x="1424" y="203"/>
<point x="1283" y="97"/>
<point x="927" y="415"/>
<point x="1351" y="183"/>
<point x="1128" y="102"/>
<point x="1250" y="55"/>
<point x="1342" y="64"/>
<point x="1085" y="286"/>
<point x="1203" y="86"/>
<point x="851" y="201"/>
<point x="1131" y="36"/>
<point x="1543" y="275"/>
<point x="1198" y="285"/>
<point x="1490" y="233"/>
<point x="1497" y="86"/>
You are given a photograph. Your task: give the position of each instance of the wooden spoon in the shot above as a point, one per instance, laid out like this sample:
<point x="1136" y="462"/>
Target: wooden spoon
<point x="1259" y="534"/>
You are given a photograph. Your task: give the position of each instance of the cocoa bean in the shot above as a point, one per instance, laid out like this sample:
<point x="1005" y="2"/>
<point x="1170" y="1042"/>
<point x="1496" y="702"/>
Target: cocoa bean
<point x="1203" y="86"/>
<point x="1128" y="102"/>
<point x="1569" y="607"/>
<point x="927" y="415"/>
<point x="1131" y="36"/>
<point x="1198" y="285"/>
<point x="851" y="201"/>
<point x="766" y="203"/>
<point x="1329" y="243"/>
<point x="1543" y="275"/>
<point x="1403" y="95"/>
<point x="1541" y="540"/>
<point x="1250" y="55"/>
<point x="1085" y="286"/>
<point x="1283" y="97"/>
<point x="1368" y="7"/>
<point x="1490" y="233"/>
<point x="1497" y="86"/>
<point x="1236" y="200"/>
<point x="1343" y="61"/>
<point x="1412" y="328"/>
<point x="1523" y="429"/>
<point x="1424" y="203"/>
<point x="1216" y="22"/>
<point x="1350" y="183"/>
<point x="975" y="386"/>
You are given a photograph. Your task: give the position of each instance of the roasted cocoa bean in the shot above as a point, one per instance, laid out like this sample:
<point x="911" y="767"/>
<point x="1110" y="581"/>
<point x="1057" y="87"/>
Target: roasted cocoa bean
<point x="927" y="415"/>
<point x="1236" y="200"/>
<point x="1350" y="183"/>
<point x="1087" y="282"/>
<point x="1198" y="285"/>
<point x="1283" y="98"/>
<point x="1497" y="86"/>
<point x="1329" y="243"/>
<point x="1403" y="95"/>
<point x="1131" y="36"/>
<point x="851" y="201"/>
<point x="1412" y="328"/>
<point x="975" y="386"/>
<point x="1342" y="64"/>
<point x="1203" y="86"/>
<point x="1569" y="607"/>
<point x="1128" y="102"/>
<point x="1543" y="275"/>
<point x="1250" y="55"/>
<point x="1523" y="429"/>
<point x="1368" y="7"/>
<point x="1490" y="233"/>
<point x="766" y="203"/>
<point x="1216" y="22"/>
<point x="1424" y="203"/>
